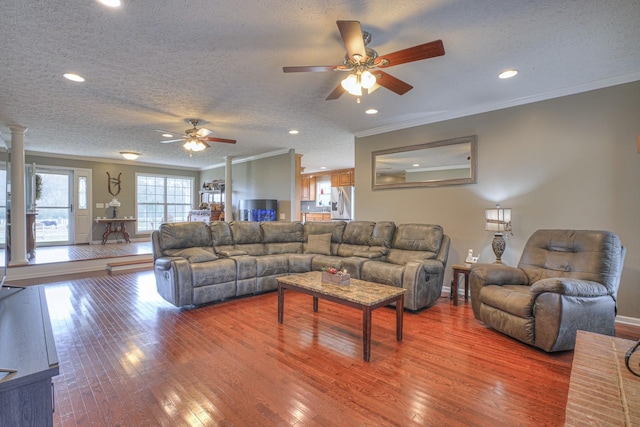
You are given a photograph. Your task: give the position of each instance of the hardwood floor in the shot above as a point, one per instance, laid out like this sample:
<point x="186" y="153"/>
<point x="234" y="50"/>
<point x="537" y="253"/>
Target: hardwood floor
<point x="127" y="358"/>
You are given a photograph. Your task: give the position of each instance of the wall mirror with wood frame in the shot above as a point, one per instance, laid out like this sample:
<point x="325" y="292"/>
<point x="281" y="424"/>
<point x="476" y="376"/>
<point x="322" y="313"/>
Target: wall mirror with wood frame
<point x="446" y="162"/>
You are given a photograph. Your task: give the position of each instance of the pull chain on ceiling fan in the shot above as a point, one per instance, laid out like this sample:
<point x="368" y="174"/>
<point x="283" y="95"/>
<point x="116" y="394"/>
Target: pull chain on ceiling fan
<point x="364" y="63"/>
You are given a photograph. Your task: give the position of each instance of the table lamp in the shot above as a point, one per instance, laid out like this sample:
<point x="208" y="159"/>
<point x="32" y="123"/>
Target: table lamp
<point x="499" y="221"/>
<point x="115" y="204"/>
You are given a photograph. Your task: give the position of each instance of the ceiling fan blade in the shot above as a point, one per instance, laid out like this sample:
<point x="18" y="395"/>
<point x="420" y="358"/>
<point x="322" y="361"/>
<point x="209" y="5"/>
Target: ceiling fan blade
<point x="171" y="140"/>
<point x="203" y="132"/>
<point x="311" y="68"/>
<point x="416" y="53"/>
<point x="393" y="84"/>
<point x="212" y="139"/>
<point x="351" y="34"/>
<point x="337" y="93"/>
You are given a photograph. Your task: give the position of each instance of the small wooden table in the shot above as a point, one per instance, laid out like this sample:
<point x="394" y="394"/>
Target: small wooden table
<point x="463" y="269"/>
<point x="366" y="296"/>
<point x="115" y="225"/>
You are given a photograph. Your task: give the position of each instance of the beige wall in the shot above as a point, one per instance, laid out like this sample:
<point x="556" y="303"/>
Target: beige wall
<point x="100" y="190"/>
<point x="266" y="178"/>
<point x="570" y="162"/>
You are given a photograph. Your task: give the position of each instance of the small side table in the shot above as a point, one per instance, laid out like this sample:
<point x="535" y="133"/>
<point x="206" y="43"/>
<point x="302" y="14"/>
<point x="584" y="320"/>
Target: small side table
<point x="463" y="269"/>
<point x="115" y="225"/>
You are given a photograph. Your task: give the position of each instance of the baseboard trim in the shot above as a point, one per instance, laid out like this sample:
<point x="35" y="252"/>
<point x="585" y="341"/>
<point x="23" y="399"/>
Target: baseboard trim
<point x="634" y="321"/>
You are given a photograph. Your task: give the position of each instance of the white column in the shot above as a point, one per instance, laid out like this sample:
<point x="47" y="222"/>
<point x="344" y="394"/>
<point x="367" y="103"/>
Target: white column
<point x="228" y="189"/>
<point x="18" y="210"/>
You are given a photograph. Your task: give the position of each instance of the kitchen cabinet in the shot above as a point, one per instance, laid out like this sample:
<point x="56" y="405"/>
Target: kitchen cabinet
<point x="308" y="188"/>
<point x="316" y="216"/>
<point x="344" y="178"/>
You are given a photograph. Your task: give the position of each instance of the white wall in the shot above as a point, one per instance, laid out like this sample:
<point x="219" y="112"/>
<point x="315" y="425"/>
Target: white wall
<point x="570" y="162"/>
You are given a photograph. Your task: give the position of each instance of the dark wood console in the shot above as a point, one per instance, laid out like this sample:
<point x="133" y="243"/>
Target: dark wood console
<point x="28" y="358"/>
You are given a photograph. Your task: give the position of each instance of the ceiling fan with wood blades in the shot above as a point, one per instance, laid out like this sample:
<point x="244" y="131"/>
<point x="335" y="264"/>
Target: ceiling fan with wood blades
<point x="364" y="64"/>
<point x="195" y="139"/>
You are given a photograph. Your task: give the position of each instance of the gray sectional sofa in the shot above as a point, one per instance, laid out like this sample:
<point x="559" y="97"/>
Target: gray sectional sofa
<point x="198" y="263"/>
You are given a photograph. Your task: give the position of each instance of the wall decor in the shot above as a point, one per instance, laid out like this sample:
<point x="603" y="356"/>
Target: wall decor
<point x="446" y="162"/>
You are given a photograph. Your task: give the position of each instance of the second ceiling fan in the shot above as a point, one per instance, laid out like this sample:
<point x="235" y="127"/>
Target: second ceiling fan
<point x="196" y="139"/>
<point x="364" y="64"/>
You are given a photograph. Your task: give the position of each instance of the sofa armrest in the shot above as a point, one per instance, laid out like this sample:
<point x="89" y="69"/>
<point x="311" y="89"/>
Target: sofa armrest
<point x="164" y="262"/>
<point x="432" y="266"/>
<point x="497" y="274"/>
<point x="173" y="280"/>
<point x="568" y="286"/>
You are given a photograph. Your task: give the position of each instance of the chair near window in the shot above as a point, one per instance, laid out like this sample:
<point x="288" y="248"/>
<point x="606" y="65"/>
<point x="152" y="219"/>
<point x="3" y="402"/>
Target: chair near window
<point x="565" y="280"/>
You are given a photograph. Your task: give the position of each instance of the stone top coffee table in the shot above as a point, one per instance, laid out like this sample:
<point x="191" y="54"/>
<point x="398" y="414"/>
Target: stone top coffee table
<point x="366" y="296"/>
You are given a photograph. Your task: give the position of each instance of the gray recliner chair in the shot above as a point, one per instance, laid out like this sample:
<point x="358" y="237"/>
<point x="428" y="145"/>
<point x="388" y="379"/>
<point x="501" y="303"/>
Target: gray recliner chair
<point x="566" y="280"/>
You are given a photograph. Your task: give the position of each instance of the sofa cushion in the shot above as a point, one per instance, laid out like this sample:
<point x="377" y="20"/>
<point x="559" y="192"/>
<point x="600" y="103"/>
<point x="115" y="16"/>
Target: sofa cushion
<point x="319" y="244"/>
<point x="415" y="242"/>
<point x="336" y="228"/>
<point x="193" y="255"/>
<point x="247" y="236"/>
<point x="281" y="237"/>
<point x="358" y="233"/>
<point x="221" y="233"/>
<point x="418" y="237"/>
<point x="180" y="235"/>
<point x="382" y="234"/>
<point x="246" y="232"/>
<point x="222" y="270"/>
<point x="513" y="299"/>
<point x="382" y="272"/>
<point x="282" y="232"/>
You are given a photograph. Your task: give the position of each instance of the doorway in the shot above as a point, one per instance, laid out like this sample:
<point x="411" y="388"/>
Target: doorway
<point x="63" y="206"/>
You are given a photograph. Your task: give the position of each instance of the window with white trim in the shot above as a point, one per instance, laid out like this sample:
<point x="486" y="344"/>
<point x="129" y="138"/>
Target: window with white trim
<point x="161" y="199"/>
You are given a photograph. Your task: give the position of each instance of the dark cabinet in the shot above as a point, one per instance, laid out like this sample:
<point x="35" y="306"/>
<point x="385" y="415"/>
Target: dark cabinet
<point x="28" y="358"/>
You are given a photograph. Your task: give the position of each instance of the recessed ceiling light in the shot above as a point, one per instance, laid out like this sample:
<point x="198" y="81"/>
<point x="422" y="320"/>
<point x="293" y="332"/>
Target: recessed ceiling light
<point x="323" y="167"/>
<point x="371" y="111"/>
<point x="507" y="74"/>
<point x="415" y="165"/>
<point x="73" y="77"/>
<point x="167" y="135"/>
<point x="293" y="132"/>
<point x="110" y="3"/>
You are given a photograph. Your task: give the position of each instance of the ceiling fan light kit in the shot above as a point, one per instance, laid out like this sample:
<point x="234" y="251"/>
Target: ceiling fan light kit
<point x="360" y="60"/>
<point x="195" y="139"/>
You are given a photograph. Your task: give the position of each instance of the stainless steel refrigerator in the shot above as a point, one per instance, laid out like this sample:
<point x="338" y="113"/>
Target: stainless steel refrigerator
<point x="342" y="203"/>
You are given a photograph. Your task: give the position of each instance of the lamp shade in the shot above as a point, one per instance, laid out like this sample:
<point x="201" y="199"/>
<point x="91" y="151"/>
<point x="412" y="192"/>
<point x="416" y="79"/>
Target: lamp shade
<point x="498" y="219"/>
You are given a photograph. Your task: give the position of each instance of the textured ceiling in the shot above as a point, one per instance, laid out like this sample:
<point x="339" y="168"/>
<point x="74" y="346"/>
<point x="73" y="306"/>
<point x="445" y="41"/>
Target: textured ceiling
<point x="152" y="64"/>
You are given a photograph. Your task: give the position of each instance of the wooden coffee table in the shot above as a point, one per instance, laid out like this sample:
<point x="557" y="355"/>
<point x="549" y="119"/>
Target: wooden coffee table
<point x="360" y="294"/>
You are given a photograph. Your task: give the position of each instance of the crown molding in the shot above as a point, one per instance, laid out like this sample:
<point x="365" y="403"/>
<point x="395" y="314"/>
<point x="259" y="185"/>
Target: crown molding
<point x="104" y="160"/>
<point x="238" y="160"/>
